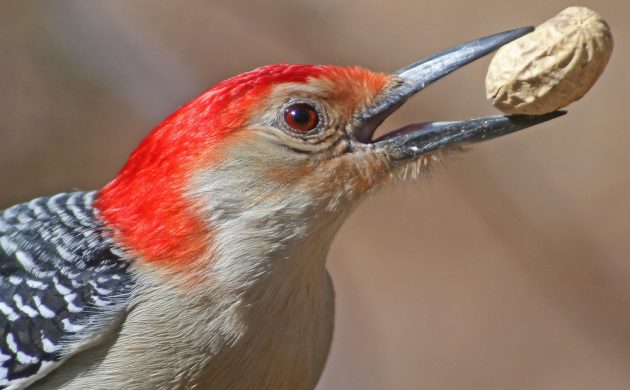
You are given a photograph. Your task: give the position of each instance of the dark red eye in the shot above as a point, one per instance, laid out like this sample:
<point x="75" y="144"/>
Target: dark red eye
<point x="301" y="117"/>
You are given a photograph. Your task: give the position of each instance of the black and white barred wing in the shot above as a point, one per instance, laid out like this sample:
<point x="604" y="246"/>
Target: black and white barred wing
<point x="59" y="280"/>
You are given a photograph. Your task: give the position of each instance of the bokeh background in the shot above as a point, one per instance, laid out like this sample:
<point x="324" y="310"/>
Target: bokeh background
<point x="507" y="270"/>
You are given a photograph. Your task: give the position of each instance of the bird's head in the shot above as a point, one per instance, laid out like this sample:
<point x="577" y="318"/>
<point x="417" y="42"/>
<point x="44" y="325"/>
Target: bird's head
<point x="279" y="155"/>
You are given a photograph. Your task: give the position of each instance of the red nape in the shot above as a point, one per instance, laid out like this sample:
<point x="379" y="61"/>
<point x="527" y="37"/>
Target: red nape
<point x="145" y="204"/>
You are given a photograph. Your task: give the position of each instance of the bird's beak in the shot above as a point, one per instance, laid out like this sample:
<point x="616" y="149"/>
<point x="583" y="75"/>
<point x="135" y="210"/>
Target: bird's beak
<point x="416" y="139"/>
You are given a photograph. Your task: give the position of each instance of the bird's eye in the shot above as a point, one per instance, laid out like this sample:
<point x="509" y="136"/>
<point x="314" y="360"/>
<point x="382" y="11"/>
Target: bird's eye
<point x="301" y="117"/>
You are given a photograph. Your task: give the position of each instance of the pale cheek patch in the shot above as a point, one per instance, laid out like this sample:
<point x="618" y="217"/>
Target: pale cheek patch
<point x="342" y="181"/>
<point x="336" y="183"/>
<point x="255" y="216"/>
<point x="331" y="181"/>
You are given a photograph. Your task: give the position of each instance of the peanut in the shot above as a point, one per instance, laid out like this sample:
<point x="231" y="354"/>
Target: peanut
<point x="551" y="67"/>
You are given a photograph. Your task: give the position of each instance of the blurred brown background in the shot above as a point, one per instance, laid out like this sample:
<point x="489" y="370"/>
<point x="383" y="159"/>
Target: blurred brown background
<point x="507" y="270"/>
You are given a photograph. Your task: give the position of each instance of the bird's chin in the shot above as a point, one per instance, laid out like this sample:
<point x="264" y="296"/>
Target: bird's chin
<point x="412" y="147"/>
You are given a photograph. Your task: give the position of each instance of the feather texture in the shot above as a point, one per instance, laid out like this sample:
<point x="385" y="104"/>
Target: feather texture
<point x="60" y="283"/>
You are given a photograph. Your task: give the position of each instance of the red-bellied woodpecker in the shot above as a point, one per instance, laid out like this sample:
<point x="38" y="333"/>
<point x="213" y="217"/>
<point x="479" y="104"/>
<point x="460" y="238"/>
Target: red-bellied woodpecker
<point x="202" y="264"/>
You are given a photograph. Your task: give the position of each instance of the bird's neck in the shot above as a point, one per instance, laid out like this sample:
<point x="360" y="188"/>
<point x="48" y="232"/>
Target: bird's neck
<point x="268" y="295"/>
<point x="278" y="250"/>
<point x="264" y="235"/>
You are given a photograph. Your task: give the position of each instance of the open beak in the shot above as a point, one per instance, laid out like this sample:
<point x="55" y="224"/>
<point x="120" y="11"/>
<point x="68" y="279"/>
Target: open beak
<point x="417" y="139"/>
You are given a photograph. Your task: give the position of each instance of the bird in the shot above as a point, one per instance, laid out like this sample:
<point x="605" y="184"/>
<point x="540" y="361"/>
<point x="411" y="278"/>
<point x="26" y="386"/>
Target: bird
<point x="202" y="264"/>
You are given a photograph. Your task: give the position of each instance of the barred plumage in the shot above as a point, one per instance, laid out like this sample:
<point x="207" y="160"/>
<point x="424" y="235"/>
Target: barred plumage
<point x="58" y="269"/>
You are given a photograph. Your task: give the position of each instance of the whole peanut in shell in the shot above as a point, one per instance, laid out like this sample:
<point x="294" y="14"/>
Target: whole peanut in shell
<point x="551" y="67"/>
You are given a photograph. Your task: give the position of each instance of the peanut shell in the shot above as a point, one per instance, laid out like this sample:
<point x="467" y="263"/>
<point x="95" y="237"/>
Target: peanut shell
<point x="551" y="67"/>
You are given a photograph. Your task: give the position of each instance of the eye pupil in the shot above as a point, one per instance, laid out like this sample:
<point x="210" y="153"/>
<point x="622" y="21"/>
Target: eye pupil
<point x="301" y="117"/>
